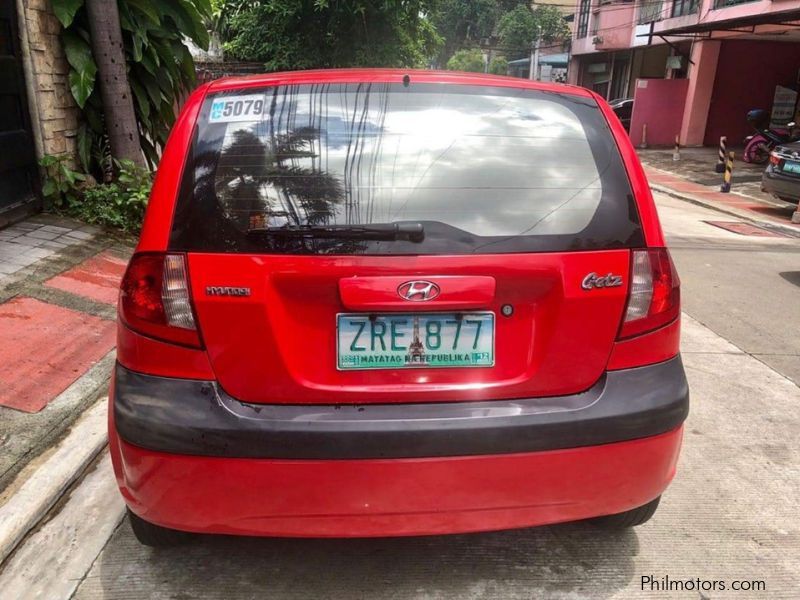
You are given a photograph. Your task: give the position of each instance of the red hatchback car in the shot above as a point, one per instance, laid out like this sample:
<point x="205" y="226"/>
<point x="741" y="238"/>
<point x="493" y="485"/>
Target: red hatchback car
<point x="383" y="303"/>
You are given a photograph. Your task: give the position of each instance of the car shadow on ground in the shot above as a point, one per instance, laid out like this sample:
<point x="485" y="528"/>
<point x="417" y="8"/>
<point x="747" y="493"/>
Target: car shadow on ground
<point x="557" y="561"/>
<point x="792" y="277"/>
<point x="780" y="212"/>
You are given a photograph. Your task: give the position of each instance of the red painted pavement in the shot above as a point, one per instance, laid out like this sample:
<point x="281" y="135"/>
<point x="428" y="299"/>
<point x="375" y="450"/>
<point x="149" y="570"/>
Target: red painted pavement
<point x="745" y="228"/>
<point x="679" y="184"/>
<point x="44" y="349"/>
<point x="96" y="278"/>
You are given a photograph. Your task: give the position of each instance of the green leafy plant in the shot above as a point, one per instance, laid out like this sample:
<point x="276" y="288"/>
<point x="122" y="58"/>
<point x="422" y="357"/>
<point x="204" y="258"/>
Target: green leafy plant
<point x="120" y="204"/>
<point x="467" y="60"/>
<point x="62" y="185"/>
<point x="160" y="69"/>
<point x="498" y="66"/>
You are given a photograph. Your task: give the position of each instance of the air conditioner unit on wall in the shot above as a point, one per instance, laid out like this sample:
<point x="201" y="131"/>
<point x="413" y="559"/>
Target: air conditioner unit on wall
<point x="597" y="40"/>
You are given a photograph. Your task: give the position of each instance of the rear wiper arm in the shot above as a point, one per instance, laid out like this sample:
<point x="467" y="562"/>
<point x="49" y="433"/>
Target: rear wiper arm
<point x="413" y="232"/>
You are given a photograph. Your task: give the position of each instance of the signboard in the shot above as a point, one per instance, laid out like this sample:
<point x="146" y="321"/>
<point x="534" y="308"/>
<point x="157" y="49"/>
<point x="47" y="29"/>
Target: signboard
<point x="783" y="106"/>
<point x="674" y="62"/>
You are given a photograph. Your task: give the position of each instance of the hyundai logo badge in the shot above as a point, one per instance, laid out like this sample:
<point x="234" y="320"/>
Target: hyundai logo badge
<point x="418" y="291"/>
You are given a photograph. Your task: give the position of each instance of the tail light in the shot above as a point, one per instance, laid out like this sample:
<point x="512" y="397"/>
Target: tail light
<point x="774" y="158"/>
<point x="155" y="299"/>
<point x="654" y="294"/>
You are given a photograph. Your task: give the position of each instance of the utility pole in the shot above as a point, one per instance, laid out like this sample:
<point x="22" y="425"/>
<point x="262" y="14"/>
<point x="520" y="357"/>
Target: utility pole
<point x="533" y="72"/>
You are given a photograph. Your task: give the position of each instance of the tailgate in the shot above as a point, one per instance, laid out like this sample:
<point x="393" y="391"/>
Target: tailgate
<point x="278" y="343"/>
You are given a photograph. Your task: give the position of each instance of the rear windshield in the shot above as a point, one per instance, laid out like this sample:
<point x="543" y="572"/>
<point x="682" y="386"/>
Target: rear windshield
<point x="479" y="169"/>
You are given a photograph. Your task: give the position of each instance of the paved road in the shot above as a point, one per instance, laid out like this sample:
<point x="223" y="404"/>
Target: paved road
<point x="745" y="289"/>
<point x="731" y="513"/>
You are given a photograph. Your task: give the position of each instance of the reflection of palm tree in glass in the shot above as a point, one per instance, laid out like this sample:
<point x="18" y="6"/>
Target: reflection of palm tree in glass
<point x="262" y="185"/>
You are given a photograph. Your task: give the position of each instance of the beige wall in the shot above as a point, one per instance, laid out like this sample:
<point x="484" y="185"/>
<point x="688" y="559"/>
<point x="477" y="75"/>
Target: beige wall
<point x="53" y="110"/>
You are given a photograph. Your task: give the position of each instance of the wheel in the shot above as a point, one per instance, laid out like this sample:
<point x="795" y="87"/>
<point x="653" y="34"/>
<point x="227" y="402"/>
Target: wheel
<point x="756" y="152"/>
<point x="154" y="535"/>
<point x="630" y="518"/>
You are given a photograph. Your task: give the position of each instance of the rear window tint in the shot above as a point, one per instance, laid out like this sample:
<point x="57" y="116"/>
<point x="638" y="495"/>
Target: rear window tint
<point x="484" y="170"/>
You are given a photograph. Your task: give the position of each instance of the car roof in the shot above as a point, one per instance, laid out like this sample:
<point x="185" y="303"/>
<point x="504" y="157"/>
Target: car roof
<point x="388" y="76"/>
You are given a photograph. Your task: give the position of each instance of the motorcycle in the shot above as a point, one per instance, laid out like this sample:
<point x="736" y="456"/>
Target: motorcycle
<point x="757" y="147"/>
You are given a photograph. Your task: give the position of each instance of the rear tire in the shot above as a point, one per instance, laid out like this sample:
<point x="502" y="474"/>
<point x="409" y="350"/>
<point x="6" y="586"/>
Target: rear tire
<point x="155" y="536"/>
<point x="630" y="518"/>
<point x="756" y="152"/>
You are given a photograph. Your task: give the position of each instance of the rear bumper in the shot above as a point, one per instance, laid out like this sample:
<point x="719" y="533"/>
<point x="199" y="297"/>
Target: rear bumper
<point x="458" y="467"/>
<point x="182" y="416"/>
<point x="392" y="497"/>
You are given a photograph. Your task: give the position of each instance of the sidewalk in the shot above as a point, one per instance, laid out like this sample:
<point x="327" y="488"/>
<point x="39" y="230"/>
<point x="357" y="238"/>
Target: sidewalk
<point x="58" y="287"/>
<point x="693" y="179"/>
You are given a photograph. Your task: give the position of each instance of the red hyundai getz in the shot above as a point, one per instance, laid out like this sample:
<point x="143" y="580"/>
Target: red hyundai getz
<point x="382" y="303"/>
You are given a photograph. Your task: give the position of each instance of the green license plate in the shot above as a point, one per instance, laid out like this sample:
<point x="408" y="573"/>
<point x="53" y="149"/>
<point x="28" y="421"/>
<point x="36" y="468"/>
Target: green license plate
<point x="401" y="341"/>
<point x="790" y="166"/>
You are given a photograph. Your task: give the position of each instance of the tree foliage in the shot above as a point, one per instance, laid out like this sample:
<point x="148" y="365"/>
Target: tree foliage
<point x="160" y="68"/>
<point x="522" y="26"/>
<point x="464" y="23"/>
<point x="498" y="66"/>
<point x="302" y="34"/>
<point x="467" y="60"/>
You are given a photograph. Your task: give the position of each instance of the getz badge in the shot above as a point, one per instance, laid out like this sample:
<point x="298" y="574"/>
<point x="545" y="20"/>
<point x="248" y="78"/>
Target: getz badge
<point x="593" y="280"/>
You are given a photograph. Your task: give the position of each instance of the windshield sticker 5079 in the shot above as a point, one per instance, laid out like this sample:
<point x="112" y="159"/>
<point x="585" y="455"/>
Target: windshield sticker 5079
<point x="237" y="108"/>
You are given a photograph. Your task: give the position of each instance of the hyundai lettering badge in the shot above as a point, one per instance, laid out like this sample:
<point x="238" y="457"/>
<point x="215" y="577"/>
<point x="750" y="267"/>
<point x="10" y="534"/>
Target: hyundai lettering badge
<point x="216" y="290"/>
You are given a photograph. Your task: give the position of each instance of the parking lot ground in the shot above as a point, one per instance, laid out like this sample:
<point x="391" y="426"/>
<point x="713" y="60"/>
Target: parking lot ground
<point x="729" y="518"/>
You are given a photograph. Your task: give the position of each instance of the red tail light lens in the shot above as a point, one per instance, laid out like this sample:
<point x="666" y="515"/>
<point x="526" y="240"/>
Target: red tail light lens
<point x="155" y="300"/>
<point x="654" y="293"/>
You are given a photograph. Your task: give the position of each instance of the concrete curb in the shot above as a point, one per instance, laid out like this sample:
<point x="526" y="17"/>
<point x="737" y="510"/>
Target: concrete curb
<point x="26" y="507"/>
<point x="734" y="212"/>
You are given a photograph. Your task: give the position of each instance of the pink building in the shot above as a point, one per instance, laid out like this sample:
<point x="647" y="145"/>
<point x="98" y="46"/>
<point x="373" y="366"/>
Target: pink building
<point x="694" y="67"/>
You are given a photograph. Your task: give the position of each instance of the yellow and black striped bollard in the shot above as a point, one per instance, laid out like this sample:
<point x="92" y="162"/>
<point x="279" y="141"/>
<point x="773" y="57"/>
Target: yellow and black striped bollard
<point x="726" y="178"/>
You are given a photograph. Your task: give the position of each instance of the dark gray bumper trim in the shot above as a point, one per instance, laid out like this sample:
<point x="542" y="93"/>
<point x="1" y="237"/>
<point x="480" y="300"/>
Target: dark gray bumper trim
<point x="183" y="416"/>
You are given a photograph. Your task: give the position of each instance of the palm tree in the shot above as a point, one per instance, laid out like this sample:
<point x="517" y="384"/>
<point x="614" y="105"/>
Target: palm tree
<point x="120" y="118"/>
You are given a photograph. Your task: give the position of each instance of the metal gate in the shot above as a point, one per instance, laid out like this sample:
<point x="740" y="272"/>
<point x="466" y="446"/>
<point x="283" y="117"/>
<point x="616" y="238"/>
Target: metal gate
<point x="18" y="172"/>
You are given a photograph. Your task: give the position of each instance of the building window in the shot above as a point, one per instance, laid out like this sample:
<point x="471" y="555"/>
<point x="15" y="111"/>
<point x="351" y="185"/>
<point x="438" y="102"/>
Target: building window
<point x="649" y="11"/>
<point x="681" y="8"/>
<point x="724" y="3"/>
<point x="583" y="18"/>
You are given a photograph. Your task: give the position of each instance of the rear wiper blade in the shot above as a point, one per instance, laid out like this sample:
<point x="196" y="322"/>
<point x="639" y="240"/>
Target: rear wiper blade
<point x="413" y="232"/>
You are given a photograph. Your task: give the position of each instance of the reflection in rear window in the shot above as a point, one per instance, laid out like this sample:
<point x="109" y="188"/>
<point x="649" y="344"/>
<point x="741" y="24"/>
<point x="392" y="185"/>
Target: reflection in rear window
<point x="484" y="170"/>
